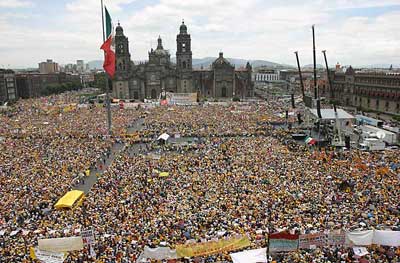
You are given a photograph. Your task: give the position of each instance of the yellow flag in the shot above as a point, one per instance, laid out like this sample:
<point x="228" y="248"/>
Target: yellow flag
<point x="32" y="253"/>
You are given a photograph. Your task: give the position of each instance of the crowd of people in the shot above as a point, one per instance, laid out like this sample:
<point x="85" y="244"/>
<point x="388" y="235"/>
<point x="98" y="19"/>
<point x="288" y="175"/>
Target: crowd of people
<point x="46" y="146"/>
<point x="243" y="176"/>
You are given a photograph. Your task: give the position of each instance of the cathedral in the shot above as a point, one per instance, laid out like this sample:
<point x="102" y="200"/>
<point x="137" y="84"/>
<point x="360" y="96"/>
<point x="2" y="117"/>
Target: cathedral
<point x="158" y="75"/>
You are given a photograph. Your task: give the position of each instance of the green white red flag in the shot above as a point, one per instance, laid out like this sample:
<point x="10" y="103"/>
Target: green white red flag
<point x="109" y="47"/>
<point x="310" y="141"/>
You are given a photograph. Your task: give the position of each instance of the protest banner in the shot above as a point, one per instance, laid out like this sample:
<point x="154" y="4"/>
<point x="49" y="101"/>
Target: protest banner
<point x="212" y="247"/>
<point x="313" y="240"/>
<point x="47" y="256"/>
<point x="283" y="242"/>
<point x="386" y="238"/>
<point x="336" y="238"/>
<point x="360" y="238"/>
<point x="61" y="244"/>
<point x="88" y="236"/>
<point x="158" y="253"/>
<point x="250" y="256"/>
<point x="360" y="251"/>
<point x="181" y="98"/>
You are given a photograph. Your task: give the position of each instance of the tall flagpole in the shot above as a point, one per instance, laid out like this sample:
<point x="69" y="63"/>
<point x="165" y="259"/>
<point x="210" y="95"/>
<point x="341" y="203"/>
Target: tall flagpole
<point x="107" y="77"/>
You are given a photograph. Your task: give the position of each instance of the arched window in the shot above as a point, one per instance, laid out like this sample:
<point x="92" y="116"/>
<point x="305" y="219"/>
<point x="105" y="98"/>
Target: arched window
<point x="184" y="64"/>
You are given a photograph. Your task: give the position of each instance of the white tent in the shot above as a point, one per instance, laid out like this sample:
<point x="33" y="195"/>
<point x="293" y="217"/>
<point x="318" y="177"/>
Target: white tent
<point x="163" y="137"/>
<point x="329" y="114"/>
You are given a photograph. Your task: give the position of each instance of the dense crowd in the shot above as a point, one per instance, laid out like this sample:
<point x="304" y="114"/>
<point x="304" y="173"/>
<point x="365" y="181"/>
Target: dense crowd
<point x="46" y="145"/>
<point x="239" y="171"/>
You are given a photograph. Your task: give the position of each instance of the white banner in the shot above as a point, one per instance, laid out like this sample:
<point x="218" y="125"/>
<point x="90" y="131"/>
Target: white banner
<point x="387" y="238"/>
<point x="250" y="256"/>
<point x="158" y="253"/>
<point x="360" y="238"/>
<point x="88" y="236"/>
<point x="49" y="257"/>
<point x="360" y="251"/>
<point x="61" y="244"/>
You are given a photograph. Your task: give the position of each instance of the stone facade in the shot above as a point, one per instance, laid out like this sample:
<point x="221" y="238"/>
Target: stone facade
<point x="368" y="90"/>
<point x="150" y="79"/>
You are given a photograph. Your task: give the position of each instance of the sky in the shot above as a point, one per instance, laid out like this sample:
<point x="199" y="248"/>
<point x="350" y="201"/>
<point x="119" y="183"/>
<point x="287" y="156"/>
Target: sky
<point x="354" y="32"/>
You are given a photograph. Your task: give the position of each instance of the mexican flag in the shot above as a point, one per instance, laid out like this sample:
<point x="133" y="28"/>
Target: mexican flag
<point x="109" y="47"/>
<point x="310" y="140"/>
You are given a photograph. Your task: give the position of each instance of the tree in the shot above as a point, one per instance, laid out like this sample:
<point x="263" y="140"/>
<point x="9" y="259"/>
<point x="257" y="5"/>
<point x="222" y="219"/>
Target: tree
<point x="57" y="88"/>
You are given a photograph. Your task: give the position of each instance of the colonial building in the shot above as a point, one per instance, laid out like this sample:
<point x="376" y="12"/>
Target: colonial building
<point x="266" y="75"/>
<point x="148" y="80"/>
<point x="378" y="91"/>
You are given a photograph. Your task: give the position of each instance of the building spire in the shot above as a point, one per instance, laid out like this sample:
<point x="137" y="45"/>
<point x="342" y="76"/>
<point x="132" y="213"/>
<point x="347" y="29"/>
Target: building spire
<point x="159" y="46"/>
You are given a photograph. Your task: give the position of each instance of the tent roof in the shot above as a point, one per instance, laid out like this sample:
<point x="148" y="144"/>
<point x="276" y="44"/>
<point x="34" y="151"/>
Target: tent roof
<point x="163" y="136"/>
<point x="68" y="200"/>
<point x="329" y="114"/>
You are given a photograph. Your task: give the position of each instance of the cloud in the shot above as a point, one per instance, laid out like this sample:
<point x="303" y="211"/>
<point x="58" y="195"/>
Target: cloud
<point x="91" y="5"/>
<point x="252" y="29"/>
<point x="15" y="4"/>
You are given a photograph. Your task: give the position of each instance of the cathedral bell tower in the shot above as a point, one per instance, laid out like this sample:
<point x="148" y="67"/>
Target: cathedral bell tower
<point x="122" y="65"/>
<point x="184" y="61"/>
<point x="122" y="55"/>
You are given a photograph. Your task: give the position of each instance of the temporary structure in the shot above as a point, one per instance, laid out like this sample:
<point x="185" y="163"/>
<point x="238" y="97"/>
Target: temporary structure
<point x="69" y="199"/>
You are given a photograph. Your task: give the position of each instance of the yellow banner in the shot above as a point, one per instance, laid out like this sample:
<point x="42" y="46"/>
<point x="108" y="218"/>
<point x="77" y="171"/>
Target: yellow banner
<point x="212" y="247"/>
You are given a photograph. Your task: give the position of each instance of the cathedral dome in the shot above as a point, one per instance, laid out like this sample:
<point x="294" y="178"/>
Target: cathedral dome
<point x="183" y="28"/>
<point x="118" y="30"/>
<point x="221" y="60"/>
<point x="160" y="49"/>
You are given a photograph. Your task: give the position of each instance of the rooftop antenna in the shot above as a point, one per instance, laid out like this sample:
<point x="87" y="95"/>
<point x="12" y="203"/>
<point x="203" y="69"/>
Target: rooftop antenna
<point x="315" y="77"/>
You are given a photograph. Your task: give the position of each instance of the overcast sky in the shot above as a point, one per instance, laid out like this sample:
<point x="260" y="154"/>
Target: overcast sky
<point x="357" y="32"/>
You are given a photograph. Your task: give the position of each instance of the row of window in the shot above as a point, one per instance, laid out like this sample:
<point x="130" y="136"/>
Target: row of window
<point x="379" y="81"/>
<point x="267" y="77"/>
<point x="377" y="103"/>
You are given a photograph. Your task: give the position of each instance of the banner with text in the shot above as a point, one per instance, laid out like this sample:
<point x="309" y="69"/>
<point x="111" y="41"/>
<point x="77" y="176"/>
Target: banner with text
<point x="46" y="256"/>
<point x="312" y="241"/>
<point x="212" y="247"/>
<point x="336" y="238"/>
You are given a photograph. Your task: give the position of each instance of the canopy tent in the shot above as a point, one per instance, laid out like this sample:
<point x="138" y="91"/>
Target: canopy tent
<point x="69" y="199"/>
<point x="163" y="137"/>
<point x="329" y="114"/>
